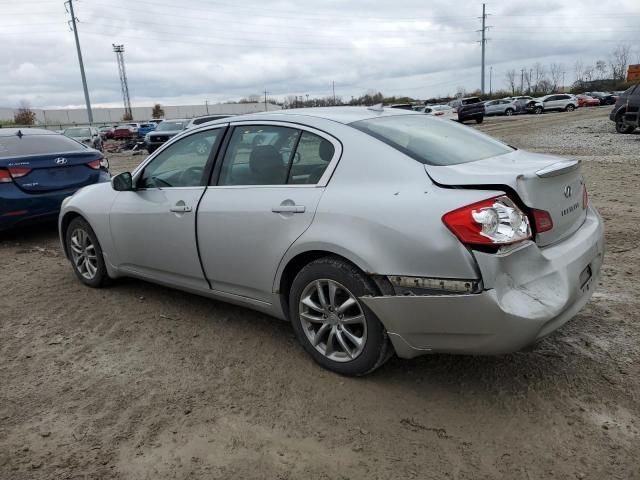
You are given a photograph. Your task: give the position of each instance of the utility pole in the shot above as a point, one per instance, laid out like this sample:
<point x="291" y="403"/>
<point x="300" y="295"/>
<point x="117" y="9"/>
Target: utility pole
<point x="333" y="85"/>
<point x="265" y="100"/>
<point x="521" y="81"/>
<point x="119" y="49"/>
<point x="74" y="27"/>
<point x="490" y="79"/>
<point x="563" y="81"/>
<point x="483" y="44"/>
<point x="206" y="105"/>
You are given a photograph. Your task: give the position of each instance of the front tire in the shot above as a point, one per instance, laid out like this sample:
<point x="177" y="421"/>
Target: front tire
<point x="537" y="110"/>
<point x="339" y="332"/>
<point x="621" y="127"/>
<point x="479" y="120"/>
<point x="85" y="253"/>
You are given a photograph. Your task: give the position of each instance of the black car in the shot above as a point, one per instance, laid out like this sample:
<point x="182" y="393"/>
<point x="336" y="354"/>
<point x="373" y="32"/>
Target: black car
<point x="605" y="98"/>
<point x="470" y="108"/>
<point x="628" y="102"/>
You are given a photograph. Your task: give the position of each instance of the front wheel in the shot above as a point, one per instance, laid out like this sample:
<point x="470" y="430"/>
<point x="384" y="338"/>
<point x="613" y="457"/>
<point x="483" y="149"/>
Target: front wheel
<point x="621" y="127"/>
<point x="85" y="253"/>
<point x="537" y="110"/>
<point x="479" y="119"/>
<point x="338" y="331"/>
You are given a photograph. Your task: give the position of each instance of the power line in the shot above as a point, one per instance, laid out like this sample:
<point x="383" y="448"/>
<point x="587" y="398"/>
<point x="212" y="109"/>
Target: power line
<point x="84" y="78"/>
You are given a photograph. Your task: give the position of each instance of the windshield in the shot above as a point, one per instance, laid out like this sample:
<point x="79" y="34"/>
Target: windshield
<point x="432" y="141"/>
<point x="13" y="146"/>
<point x="77" y="132"/>
<point x="167" y="126"/>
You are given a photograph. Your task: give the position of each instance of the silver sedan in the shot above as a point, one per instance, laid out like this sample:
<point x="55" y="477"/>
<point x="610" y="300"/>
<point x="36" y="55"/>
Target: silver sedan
<point x="373" y="231"/>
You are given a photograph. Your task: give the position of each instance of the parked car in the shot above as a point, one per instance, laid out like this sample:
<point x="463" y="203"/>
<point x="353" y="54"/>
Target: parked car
<point x="146" y="128"/>
<point x="196" y="121"/>
<point x="134" y="127"/>
<point x="106" y="132"/>
<point x="164" y="132"/>
<point x="381" y="230"/>
<point x="441" y="111"/>
<point x="500" y="107"/>
<point x="402" y="106"/>
<point x="587" y="101"/>
<point x="38" y="169"/>
<point x="470" y="108"/>
<point x="628" y="101"/>
<point x="558" y="102"/>
<point x="604" y="97"/>
<point x="124" y="132"/>
<point x="88" y="135"/>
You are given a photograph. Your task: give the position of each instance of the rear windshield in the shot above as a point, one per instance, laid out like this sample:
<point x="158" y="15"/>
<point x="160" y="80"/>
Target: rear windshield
<point x="77" y="132"/>
<point x="431" y="140"/>
<point x="13" y="146"/>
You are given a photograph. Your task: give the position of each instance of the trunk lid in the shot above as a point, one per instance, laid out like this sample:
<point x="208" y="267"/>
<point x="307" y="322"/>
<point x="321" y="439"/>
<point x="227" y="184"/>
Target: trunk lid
<point x="53" y="171"/>
<point x="542" y="182"/>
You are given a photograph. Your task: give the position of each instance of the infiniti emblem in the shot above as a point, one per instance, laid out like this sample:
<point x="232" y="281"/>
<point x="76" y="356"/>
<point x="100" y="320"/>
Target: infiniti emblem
<point x="60" y="160"/>
<point x="567" y="191"/>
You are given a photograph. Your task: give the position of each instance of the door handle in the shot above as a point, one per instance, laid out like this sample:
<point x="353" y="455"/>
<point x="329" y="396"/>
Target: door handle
<point x="288" y="209"/>
<point x="180" y="208"/>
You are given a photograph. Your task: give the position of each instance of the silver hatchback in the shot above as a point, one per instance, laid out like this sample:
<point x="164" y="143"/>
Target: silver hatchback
<point x="374" y="231"/>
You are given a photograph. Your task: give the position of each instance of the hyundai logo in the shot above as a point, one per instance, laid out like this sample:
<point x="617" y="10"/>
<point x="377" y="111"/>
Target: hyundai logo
<point x="60" y="161"/>
<point x="567" y="191"/>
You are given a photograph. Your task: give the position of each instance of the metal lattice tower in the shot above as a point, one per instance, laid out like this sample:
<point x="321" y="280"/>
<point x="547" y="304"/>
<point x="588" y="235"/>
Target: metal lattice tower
<point x="119" y="49"/>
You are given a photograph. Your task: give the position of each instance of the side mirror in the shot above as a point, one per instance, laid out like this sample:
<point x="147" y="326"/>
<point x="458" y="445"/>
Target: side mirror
<point x="122" y="182"/>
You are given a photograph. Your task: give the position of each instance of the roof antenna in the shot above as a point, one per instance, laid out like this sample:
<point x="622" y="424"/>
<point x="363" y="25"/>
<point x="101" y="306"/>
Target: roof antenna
<point x="20" y="134"/>
<point x="376" y="108"/>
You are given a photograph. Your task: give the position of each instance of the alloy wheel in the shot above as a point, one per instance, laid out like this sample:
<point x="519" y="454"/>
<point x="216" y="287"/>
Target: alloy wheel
<point x="83" y="253"/>
<point x="333" y="320"/>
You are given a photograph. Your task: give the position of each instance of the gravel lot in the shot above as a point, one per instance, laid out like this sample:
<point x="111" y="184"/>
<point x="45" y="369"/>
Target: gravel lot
<point x="141" y="382"/>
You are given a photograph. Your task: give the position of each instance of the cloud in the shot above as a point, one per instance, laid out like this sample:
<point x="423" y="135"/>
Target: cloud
<point x="190" y="50"/>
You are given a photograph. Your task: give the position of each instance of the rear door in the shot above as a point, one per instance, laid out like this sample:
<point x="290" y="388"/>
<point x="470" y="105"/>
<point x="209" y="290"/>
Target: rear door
<point x="263" y="196"/>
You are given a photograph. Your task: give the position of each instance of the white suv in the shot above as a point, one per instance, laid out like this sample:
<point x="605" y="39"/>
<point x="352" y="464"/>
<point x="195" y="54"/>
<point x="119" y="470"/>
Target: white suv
<point x="558" y="102"/>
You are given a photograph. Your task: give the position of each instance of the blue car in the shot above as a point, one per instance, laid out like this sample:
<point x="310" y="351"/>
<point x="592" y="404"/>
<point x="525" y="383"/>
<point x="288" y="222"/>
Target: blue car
<point x="146" y="128"/>
<point x="38" y="169"/>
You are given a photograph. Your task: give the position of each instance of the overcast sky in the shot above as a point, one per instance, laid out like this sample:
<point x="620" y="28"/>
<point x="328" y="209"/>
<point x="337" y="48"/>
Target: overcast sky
<point x="189" y="51"/>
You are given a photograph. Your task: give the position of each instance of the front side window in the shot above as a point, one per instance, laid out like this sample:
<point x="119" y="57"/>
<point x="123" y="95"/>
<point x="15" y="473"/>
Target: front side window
<point x="259" y="155"/>
<point x="432" y="141"/>
<point x="182" y="164"/>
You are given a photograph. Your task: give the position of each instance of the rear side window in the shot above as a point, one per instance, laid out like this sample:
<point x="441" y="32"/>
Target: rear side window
<point x="432" y="141"/>
<point x="13" y="146"/>
<point x="311" y="159"/>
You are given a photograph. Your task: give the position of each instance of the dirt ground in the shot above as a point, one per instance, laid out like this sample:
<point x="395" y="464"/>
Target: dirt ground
<point x="138" y="381"/>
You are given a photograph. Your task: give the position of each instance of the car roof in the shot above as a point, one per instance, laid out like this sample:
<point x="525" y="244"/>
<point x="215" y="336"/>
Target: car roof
<point x="7" y="132"/>
<point x="343" y="115"/>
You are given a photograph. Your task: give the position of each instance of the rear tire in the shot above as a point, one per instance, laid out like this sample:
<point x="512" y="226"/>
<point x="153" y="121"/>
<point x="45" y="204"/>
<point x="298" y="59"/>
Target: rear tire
<point x="508" y="112"/>
<point x="339" y="332"/>
<point x="479" y="119"/>
<point x="85" y="254"/>
<point x="570" y="108"/>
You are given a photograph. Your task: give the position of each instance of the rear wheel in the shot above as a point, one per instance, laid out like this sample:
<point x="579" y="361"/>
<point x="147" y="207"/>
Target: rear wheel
<point x="570" y="108"/>
<point x="508" y="112"/>
<point x="338" y="331"/>
<point x="85" y="253"/>
<point x="479" y="119"/>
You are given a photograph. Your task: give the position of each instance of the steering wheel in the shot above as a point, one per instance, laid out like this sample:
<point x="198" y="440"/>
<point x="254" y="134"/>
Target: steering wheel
<point x="191" y="176"/>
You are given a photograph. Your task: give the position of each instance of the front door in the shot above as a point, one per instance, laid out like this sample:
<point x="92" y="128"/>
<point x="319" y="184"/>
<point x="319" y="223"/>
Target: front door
<point x="154" y="226"/>
<point x="264" y="197"/>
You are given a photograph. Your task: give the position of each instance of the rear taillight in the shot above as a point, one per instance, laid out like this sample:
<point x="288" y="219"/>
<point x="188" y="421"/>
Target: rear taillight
<point x="495" y="221"/>
<point x="585" y="198"/>
<point x="542" y="220"/>
<point x="94" y="164"/>
<point x="4" y="176"/>
<point x="17" y="172"/>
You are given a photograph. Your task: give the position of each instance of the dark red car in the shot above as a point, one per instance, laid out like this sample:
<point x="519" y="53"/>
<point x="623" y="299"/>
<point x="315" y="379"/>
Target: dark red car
<point x="587" y="101"/>
<point x="123" y="132"/>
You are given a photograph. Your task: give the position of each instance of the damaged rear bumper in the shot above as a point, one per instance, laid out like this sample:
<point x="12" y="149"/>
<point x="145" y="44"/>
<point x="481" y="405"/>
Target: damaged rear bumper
<point x="529" y="293"/>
